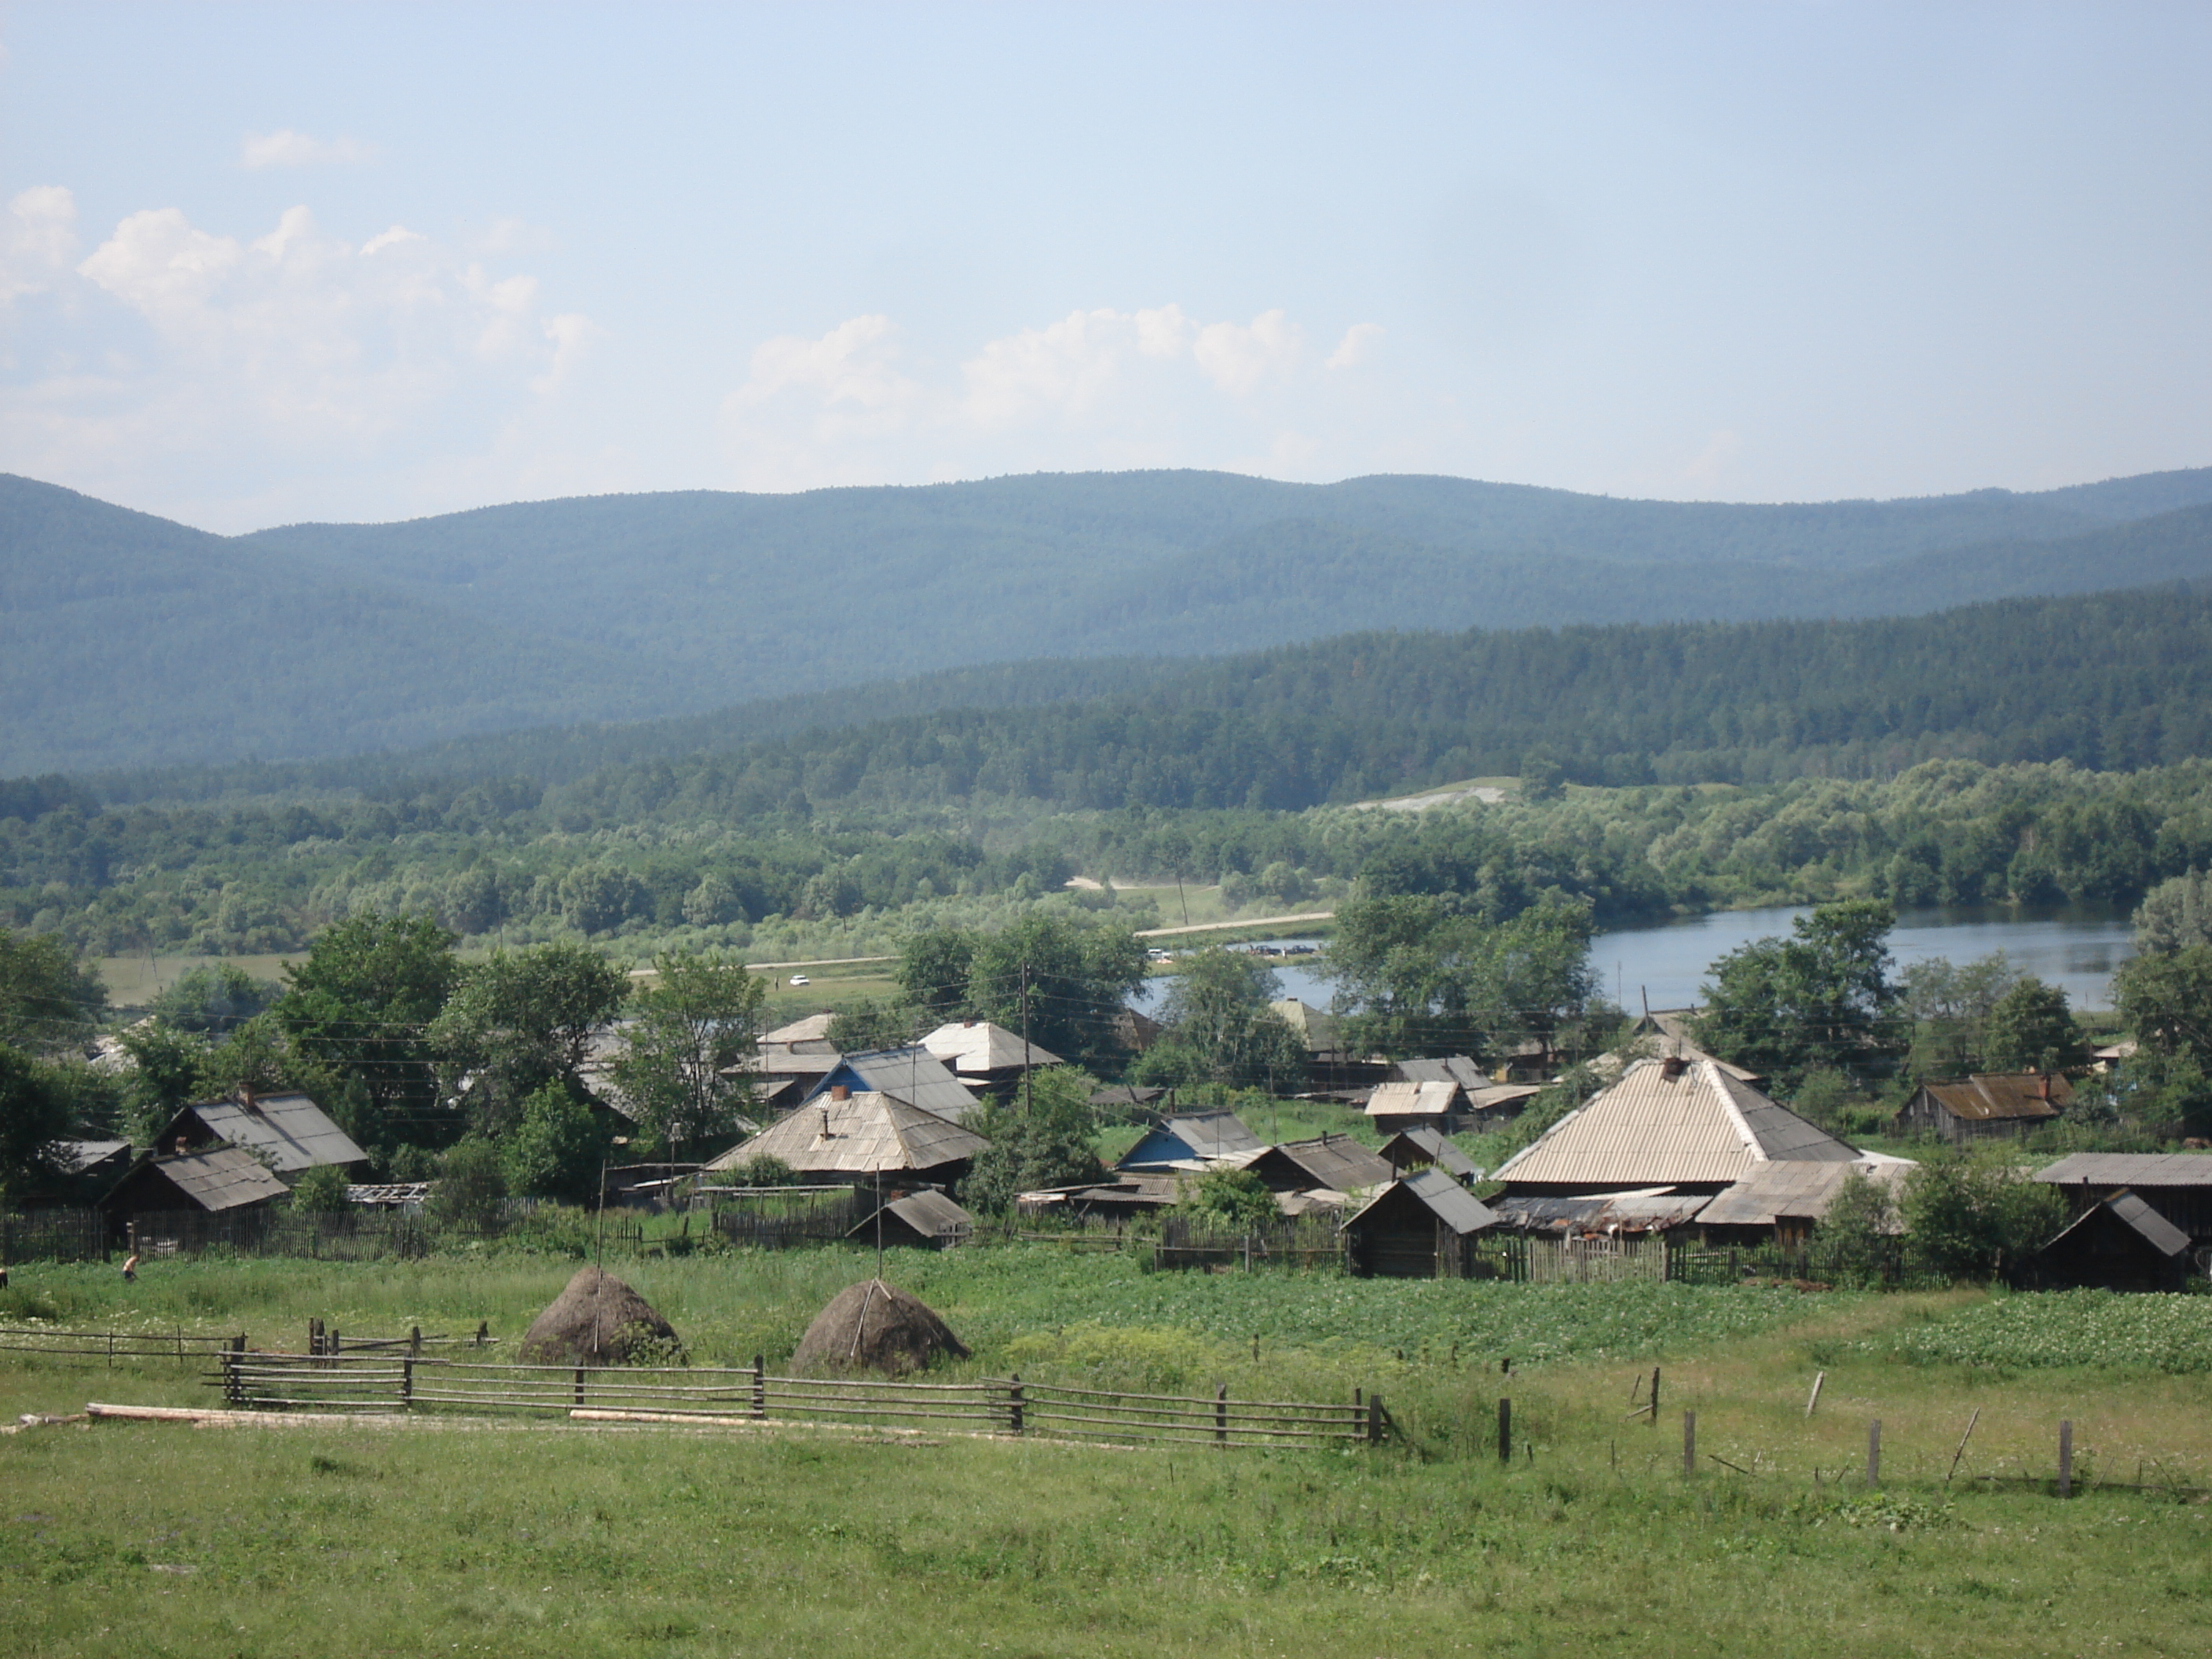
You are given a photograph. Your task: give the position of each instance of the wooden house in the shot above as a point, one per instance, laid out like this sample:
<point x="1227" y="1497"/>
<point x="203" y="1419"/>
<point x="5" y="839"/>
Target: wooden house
<point x="289" y="1131"/>
<point x="2178" y="1185"/>
<point x="1192" y="1141"/>
<point x="985" y="1056"/>
<point x="1419" y="1226"/>
<point x="1986" y="1106"/>
<point x="1483" y="1098"/>
<point x="1418" y="1149"/>
<point x="843" y="1136"/>
<point x="924" y="1219"/>
<point x="1440" y="1104"/>
<point x="788" y="1062"/>
<point x="1328" y="1163"/>
<point x="213" y="1181"/>
<point x="2118" y="1243"/>
<point x="1687" y="1125"/>
<point x="1784" y="1203"/>
<point x="911" y="1074"/>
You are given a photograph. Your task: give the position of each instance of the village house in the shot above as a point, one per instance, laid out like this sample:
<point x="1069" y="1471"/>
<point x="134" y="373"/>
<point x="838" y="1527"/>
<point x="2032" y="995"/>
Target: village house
<point x="1192" y="1141"/>
<point x="1336" y="1166"/>
<point x="1421" y="1225"/>
<point x="1438" y="1105"/>
<point x="788" y="1062"/>
<point x="856" y="1137"/>
<point x="1782" y="1203"/>
<point x="1986" y="1106"/>
<point x="289" y="1131"/>
<point x="1418" y="1149"/>
<point x="213" y="1181"/>
<point x="2178" y="1185"/>
<point x="924" y="1219"/>
<point x="2118" y="1243"/>
<point x="986" y="1056"/>
<point x="911" y="1074"/>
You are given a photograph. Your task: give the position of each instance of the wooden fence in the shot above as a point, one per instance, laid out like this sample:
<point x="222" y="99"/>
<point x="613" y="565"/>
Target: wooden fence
<point x="113" y="1345"/>
<point x="779" y="1218"/>
<point x="386" y="1382"/>
<point x="53" y="1236"/>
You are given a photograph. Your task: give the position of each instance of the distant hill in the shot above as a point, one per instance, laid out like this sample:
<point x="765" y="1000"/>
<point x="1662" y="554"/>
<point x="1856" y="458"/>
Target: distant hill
<point x="126" y="641"/>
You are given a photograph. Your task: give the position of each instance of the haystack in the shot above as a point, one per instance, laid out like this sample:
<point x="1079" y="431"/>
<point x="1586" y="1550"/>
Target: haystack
<point x="872" y="1327"/>
<point x="596" y="1320"/>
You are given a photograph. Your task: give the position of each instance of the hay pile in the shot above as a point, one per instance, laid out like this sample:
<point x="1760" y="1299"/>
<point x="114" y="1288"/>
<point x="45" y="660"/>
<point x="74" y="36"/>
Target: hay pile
<point x="598" y="1320"/>
<point x="872" y="1327"/>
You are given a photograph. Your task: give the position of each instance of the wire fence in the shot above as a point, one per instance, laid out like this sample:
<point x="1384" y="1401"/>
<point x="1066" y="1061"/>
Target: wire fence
<point x="407" y="1382"/>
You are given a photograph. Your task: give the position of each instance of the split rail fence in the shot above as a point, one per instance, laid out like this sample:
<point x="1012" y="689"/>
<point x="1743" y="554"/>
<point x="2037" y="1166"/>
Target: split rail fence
<point x="113" y="1345"/>
<point x="385" y="1383"/>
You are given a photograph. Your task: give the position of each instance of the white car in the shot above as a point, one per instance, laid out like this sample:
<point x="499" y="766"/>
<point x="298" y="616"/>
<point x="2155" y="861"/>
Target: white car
<point x="800" y="979"/>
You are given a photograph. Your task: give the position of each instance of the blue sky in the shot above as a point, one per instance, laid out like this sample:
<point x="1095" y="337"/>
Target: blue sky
<point x="260" y="263"/>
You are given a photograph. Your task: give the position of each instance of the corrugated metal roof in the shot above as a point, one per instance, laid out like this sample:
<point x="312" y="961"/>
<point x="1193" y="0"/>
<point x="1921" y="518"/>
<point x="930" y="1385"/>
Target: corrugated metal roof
<point x="291" y="1130"/>
<point x="1665" y="1125"/>
<point x="976" y="1047"/>
<point x="1799" y="1190"/>
<point x="862" y="1134"/>
<point x="1433" y="1099"/>
<point x="931" y="1214"/>
<point x="1199" y="1138"/>
<point x="1985" y="1098"/>
<point x="1434" y="1145"/>
<point x="912" y="1075"/>
<point x="2130" y="1169"/>
<point x="1453" y="1068"/>
<point x="2133" y="1212"/>
<point x="1444" y="1197"/>
<point x="220" y="1178"/>
<point x="1496" y="1097"/>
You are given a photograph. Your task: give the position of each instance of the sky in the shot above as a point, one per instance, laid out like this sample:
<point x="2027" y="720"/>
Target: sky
<point x="266" y="264"/>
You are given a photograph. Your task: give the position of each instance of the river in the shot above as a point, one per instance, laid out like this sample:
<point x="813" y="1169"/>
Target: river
<point x="2072" y="946"/>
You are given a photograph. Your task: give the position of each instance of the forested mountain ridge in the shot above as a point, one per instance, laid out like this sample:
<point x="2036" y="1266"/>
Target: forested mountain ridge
<point x="623" y="607"/>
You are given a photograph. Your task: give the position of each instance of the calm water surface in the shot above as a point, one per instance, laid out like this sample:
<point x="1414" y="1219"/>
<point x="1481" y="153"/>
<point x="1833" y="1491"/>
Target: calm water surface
<point x="2074" y="946"/>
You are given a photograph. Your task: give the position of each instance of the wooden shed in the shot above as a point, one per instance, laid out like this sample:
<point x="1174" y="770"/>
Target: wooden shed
<point x="1986" y="1106"/>
<point x="289" y="1130"/>
<point x="1417" y="1149"/>
<point x="220" y="1178"/>
<point x="1421" y="1226"/>
<point x="926" y="1218"/>
<point x="2120" y="1243"/>
<point x="1439" y="1103"/>
<point x="2178" y="1185"/>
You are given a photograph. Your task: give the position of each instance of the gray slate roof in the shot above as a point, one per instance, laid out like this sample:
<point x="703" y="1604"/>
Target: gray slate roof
<point x="2153" y="1227"/>
<point x="1444" y="1197"/>
<point x="1435" y="1098"/>
<point x="1336" y="1163"/>
<point x="1452" y="1068"/>
<point x="221" y="1177"/>
<point x="912" y="1075"/>
<point x="976" y="1047"/>
<point x="1210" y="1137"/>
<point x="78" y="1156"/>
<point x="2129" y="1169"/>
<point x="1654" y="1211"/>
<point x="1799" y="1190"/>
<point x="931" y="1214"/>
<point x="868" y="1133"/>
<point x="1436" y="1148"/>
<point x="1653" y="1129"/>
<point x="289" y="1130"/>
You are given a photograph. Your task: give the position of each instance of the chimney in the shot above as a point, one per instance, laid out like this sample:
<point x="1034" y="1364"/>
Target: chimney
<point x="839" y="1091"/>
<point x="180" y="1146"/>
<point x="246" y="1095"/>
<point x="2043" y="1087"/>
<point x="1673" y="1067"/>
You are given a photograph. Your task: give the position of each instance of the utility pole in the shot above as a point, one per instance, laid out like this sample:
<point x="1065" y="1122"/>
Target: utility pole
<point x="1029" y="1098"/>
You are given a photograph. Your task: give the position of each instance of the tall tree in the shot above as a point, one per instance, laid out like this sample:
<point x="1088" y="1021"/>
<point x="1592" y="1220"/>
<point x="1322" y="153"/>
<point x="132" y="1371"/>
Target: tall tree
<point x="33" y="1114"/>
<point x="1220" y="1030"/>
<point x="48" y="1003"/>
<point x="2031" y="1028"/>
<point x="933" y="971"/>
<point x="519" y="1020"/>
<point x="699" y="1017"/>
<point x="361" y="1005"/>
<point x="1074" y="979"/>
<point x="1822" y="997"/>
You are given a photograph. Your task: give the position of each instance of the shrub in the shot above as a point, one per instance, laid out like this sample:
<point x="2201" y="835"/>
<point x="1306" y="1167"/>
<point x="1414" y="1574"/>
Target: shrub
<point x="321" y="1191"/>
<point x="1231" y="1200"/>
<point x="471" y="1185"/>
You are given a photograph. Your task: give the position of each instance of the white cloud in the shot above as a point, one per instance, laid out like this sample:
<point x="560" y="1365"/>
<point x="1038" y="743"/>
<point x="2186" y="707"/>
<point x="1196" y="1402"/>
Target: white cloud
<point x="180" y="352"/>
<point x="38" y="239"/>
<point x="287" y="148"/>
<point x="1237" y="358"/>
<point x="1358" y="346"/>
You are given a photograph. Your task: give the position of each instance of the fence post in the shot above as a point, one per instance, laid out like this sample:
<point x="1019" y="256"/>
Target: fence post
<point x="1506" y="1431"/>
<point x="415" y="1341"/>
<point x="579" y="1385"/>
<point x="407" y="1383"/>
<point x="229" y="1378"/>
<point x="334" y="1343"/>
<point x="1221" y="1413"/>
<point x="2066" y="1458"/>
<point x="760" y="1386"/>
<point x="1873" y="1453"/>
<point x="1014" y="1415"/>
<point x="1652" y="1421"/>
<point x="1689" y="1443"/>
<point x="1374" y="1420"/>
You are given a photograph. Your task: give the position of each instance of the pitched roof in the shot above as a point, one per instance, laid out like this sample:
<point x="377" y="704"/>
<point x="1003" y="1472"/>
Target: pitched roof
<point x="815" y="1028"/>
<point x="2003" y="1096"/>
<point x="1797" y="1190"/>
<point x="1193" y="1138"/>
<point x="2132" y="1212"/>
<point x="1452" y="1068"/>
<point x="1315" y="1026"/>
<point x="1429" y="1146"/>
<point x="1655" y="1210"/>
<point x="219" y="1178"/>
<point x="911" y="1074"/>
<point x="78" y="1156"/>
<point x="1443" y="1197"/>
<point x="1338" y="1163"/>
<point x="1413" y="1099"/>
<point x="862" y="1134"/>
<point x="1667" y="1122"/>
<point x="930" y="1213"/>
<point x="974" y="1047"/>
<point x="291" y="1130"/>
<point x="2129" y="1169"/>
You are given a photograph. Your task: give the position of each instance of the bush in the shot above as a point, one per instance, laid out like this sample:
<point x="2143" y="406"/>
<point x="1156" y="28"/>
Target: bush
<point x="321" y="1191"/>
<point x="471" y="1185"/>
<point x="559" y="1150"/>
<point x="1972" y="1217"/>
<point x="1228" y="1200"/>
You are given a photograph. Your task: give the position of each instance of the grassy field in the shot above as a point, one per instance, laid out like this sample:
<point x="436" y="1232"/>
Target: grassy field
<point x="517" y="1539"/>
